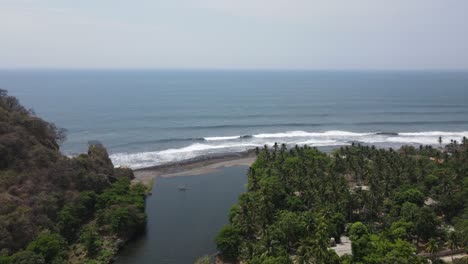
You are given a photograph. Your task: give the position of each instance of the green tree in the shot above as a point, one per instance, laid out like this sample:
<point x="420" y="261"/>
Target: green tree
<point x="387" y="251"/>
<point x="228" y="242"/>
<point x="90" y="239"/>
<point x="125" y="219"/>
<point x="69" y="221"/>
<point x="411" y="195"/>
<point x="453" y="242"/>
<point x="283" y="259"/>
<point x="426" y="224"/>
<point x="305" y="252"/>
<point x="360" y="241"/>
<point x="290" y="225"/>
<point x="27" y="257"/>
<point x="432" y="247"/>
<point x="49" y="245"/>
<point x="409" y="212"/>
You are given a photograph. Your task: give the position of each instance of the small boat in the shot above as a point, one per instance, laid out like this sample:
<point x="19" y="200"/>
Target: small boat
<point x="182" y="188"/>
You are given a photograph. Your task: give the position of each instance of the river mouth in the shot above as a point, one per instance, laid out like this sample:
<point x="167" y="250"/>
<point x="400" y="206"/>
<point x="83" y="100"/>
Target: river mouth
<point x="182" y="224"/>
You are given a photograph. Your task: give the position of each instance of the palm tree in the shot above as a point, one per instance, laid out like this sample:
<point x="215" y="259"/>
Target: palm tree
<point x="321" y="242"/>
<point x="275" y="147"/>
<point x="432" y="247"/>
<point x="304" y="253"/>
<point x="312" y="251"/>
<point x="253" y="179"/>
<point x="453" y="242"/>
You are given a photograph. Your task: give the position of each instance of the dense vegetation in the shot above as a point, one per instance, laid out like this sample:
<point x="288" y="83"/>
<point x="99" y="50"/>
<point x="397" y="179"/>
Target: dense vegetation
<point x="395" y="206"/>
<point x="56" y="209"/>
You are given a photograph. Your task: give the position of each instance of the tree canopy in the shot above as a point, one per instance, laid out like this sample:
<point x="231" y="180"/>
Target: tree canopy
<point x="390" y="203"/>
<point x="52" y="205"/>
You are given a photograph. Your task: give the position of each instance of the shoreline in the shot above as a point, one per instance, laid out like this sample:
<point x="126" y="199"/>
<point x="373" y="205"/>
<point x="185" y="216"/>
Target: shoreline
<point x="200" y="165"/>
<point x="196" y="166"/>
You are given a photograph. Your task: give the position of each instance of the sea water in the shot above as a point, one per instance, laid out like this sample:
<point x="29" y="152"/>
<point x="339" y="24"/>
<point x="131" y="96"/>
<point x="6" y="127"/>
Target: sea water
<point x="150" y="117"/>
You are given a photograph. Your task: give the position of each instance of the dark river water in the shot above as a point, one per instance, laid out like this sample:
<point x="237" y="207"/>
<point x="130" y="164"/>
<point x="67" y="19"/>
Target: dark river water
<point x="182" y="224"/>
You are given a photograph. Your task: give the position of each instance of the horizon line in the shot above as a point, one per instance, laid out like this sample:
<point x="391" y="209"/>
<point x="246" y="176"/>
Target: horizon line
<point x="236" y="69"/>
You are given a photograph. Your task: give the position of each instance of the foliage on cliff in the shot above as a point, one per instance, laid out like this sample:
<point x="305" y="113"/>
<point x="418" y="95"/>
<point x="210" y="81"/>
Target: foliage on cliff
<point x="50" y="202"/>
<point x="392" y="205"/>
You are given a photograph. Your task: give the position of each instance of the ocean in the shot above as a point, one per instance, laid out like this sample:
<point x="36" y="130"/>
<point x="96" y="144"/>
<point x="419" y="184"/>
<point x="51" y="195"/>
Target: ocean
<point x="151" y="117"/>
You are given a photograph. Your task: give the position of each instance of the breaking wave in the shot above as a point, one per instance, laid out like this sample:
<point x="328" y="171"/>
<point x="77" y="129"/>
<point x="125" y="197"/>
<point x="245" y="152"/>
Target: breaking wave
<point x="237" y="143"/>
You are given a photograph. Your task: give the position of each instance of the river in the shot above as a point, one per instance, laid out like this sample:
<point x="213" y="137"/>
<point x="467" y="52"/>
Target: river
<point x="182" y="225"/>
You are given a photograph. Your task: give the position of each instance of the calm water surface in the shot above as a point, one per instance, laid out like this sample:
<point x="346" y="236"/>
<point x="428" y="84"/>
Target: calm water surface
<point x="182" y="225"/>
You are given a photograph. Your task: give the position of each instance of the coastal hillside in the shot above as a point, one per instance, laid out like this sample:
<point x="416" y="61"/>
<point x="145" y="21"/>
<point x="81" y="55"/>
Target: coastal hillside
<point x="56" y="209"/>
<point x="359" y="204"/>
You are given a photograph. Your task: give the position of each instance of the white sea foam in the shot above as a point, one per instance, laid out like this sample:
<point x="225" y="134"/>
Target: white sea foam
<point x="310" y="134"/>
<point x="151" y="158"/>
<point x="427" y="138"/>
<point x="221" y="138"/>
<point x="437" y="134"/>
<point x="412" y="140"/>
<point x="192" y="148"/>
<point x="214" y="145"/>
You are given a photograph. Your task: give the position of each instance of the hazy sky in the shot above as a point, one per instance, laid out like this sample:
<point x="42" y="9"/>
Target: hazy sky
<point x="290" y="34"/>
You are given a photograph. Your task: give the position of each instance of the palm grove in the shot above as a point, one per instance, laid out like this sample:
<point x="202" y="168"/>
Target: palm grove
<point x="396" y="206"/>
<point x="56" y="209"/>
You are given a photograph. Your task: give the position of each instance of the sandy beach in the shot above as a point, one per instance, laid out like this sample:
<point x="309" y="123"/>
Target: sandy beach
<point x="191" y="167"/>
<point x="200" y="165"/>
